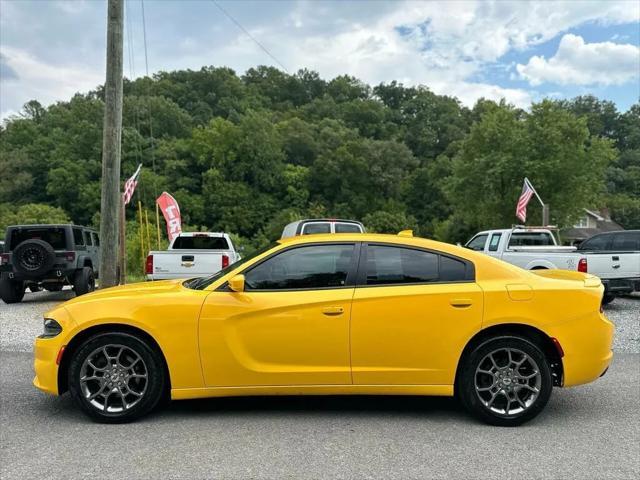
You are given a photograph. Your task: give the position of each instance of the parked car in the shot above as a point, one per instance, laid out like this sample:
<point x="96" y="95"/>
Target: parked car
<point x="195" y="254"/>
<point x="615" y="258"/>
<point x="321" y="225"/>
<point x="49" y="257"/>
<point x="321" y="314"/>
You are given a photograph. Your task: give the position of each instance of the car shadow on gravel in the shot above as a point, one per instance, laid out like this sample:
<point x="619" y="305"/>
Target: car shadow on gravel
<point x="45" y="296"/>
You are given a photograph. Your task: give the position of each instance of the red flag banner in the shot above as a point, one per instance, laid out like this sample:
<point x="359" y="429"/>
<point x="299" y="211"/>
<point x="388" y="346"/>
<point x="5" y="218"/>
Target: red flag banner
<point x="130" y="186"/>
<point x="171" y="212"/>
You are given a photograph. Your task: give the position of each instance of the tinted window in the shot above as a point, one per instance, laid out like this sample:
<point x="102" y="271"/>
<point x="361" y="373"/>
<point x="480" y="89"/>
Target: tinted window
<point x="599" y="242"/>
<point x="495" y="241"/>
<point x="452" y="270"/>
<point x="53" y="236"/>
<point x="77" y="236"/>
<point x="626" y="241"/>
<point x="87" y="238"/>
<point x="313" y="266"/>
<point x="477" y="243"/>
<point x="389" y="265"/>
<point x="200" y="243"/>
<point x="347" y="228"/>
<point x="531" y="239"/>
<point x="311" y="228"/>
<point x="96" y="239"/>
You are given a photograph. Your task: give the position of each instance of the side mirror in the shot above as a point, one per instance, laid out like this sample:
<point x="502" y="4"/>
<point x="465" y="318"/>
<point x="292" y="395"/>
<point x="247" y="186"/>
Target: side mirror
<point x="236" y="283"/>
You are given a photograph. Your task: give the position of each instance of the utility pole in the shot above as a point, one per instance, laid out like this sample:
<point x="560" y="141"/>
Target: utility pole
<point x="111" y="139"/>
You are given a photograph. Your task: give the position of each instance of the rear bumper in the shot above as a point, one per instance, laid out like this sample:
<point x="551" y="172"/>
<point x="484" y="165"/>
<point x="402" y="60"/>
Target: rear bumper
<point x="586" y="343"/>
<point x="621" y="285"/>
<point x="56" y="274"/>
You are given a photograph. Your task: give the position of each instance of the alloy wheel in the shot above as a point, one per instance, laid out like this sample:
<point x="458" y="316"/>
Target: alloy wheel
<point x="114" y="378"/>
<point x="508" y="381"/>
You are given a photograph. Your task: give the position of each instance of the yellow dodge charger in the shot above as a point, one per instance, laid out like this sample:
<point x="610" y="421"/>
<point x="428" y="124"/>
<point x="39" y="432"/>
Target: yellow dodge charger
<point x="333" y="314"/>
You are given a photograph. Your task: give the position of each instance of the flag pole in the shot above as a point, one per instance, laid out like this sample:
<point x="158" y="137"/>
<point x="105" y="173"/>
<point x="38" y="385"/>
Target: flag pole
<point x="123" y="246"/>
<point x="141" y="235"/>
<point x="146" y="221"/>
<point x="545" y="207"/>
<point x="158" y="222"/>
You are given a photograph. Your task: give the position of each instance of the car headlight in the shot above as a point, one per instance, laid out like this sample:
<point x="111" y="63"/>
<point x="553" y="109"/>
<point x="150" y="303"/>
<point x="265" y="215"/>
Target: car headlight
<point x="51" y="328"/>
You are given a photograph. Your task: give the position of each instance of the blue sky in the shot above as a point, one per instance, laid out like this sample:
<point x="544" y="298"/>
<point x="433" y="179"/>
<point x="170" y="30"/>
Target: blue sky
<point x="522" y="51"/>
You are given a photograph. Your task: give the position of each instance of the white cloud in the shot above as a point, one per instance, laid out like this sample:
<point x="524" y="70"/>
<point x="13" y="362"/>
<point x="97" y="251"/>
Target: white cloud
<point x="447" y="45"/>
<point x="36" y="79"/>
<point x="580" y="63"/>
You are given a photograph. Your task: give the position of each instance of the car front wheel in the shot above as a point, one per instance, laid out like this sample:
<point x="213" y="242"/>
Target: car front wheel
<point x="116" y="377"/>
<point x="505" y="381"/>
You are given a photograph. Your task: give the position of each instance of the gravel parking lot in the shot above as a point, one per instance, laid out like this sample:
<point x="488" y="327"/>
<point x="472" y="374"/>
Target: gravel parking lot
<point x="592" y="431"/>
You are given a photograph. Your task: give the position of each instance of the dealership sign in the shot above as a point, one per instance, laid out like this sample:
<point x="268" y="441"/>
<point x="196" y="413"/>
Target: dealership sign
<point x="171" y="212"/>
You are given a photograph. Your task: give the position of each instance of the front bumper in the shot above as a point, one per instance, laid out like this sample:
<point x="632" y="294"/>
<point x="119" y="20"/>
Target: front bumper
<point x="46" y="352"/>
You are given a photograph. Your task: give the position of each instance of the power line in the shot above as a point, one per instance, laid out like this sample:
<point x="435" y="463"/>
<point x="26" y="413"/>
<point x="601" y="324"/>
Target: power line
<point x="246" y="32"/>
<point x="146" y="64"/>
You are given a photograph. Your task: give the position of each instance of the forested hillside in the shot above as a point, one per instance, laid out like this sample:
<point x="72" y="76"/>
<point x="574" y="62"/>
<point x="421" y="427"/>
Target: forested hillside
<point x="246" y="154"/>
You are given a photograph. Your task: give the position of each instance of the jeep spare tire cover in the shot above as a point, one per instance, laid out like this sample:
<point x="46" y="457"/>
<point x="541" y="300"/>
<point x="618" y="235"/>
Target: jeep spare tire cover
<point x="33" y="257"/>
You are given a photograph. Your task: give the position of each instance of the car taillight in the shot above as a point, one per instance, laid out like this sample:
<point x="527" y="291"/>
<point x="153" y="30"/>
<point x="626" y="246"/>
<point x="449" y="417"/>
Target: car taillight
<point x="70" y="256"/>
<point x="4" y="258"/>
<point x="148" y="265"/>
<point x="225" y="261"/>
<point x="582" y="265"/>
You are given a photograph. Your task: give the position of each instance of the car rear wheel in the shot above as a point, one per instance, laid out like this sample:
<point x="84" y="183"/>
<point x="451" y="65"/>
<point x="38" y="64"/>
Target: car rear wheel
<point x="505" y="381"/>
<point x="84" y="281"/>
<point x="11" y="291"/>
<point x="116" y="378"/>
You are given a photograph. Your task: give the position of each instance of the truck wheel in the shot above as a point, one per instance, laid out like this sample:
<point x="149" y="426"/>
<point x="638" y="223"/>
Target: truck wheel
<point x="608" y="298"/>
<point x="33" y="257"/>
<point x="84" y="281"/>
<point x="11" y="291"/>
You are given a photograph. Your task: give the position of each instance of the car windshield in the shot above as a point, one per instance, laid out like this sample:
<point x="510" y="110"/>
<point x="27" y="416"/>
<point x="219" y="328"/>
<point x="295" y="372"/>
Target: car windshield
<point x="200" y="242"/>
<point x="201" y="283"/>
<point x="54" y="236"/>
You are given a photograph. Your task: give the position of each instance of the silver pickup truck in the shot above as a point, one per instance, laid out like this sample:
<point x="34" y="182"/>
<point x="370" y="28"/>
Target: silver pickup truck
<point x="536" y="248"/>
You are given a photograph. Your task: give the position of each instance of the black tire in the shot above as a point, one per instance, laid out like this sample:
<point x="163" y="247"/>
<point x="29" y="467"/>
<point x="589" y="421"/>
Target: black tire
<point x="84" y="281"/>
<point x="52" y="287"/>
<point x="33" y="257"/>
<point x="11" y="291"/>
<point x="608" y="298"/>
<point x="471" y="398"/>
<point x="153" y="389"/>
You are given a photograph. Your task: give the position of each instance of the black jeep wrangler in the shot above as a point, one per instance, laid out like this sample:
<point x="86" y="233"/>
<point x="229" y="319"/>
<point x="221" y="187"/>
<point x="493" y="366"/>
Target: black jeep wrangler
<point x="49" y="257"/>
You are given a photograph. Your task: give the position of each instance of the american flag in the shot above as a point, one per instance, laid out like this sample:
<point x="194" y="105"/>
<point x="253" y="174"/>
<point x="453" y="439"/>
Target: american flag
<point x="130" y="186"/>
<point x="525" y="196"/>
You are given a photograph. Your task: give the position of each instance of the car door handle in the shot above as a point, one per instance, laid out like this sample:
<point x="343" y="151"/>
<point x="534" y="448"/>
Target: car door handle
<point x="333" y="311"/>
<point x="460" y="302"/>
<point x="616" y="266"/>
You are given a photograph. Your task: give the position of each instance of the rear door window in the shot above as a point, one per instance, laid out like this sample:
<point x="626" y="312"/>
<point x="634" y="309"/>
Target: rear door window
<point x="96" y="239"/>
<point x="87" y="238"/>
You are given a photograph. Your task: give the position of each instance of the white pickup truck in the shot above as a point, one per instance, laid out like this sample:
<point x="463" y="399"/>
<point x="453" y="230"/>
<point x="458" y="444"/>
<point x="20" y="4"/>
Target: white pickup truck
<point x="191" y="255"/>
<point x="536" y="248"/>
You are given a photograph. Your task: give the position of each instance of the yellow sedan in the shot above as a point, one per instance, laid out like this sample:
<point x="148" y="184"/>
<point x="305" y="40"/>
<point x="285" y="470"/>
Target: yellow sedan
<point x="333" y="314"/>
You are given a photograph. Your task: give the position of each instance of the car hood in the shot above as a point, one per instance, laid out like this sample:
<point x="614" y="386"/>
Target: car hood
<point x="131" y="290"/>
